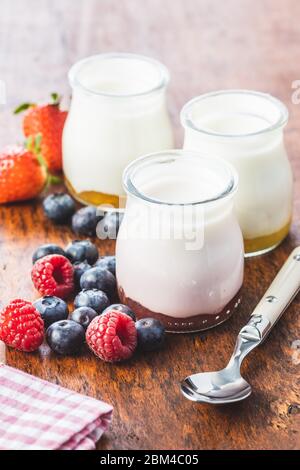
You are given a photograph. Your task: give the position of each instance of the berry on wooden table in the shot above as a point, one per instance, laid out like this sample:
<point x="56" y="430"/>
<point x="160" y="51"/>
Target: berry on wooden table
<point x="85" y="220"/>
<point x="150" y="334"/>
<point x="52" y="309"/>
<point x="47" y="249"/>
<point x="94" y="298"/>
<point x="21" y="326"/>
<point x="82" y="250"/>
<point x="53" y="275"/>
<point x="112" y="336"/>
<point x="98" y="278"/>
<point x="65" y="337"/>
<point x="83" y="316"/>
<point x="59" y="207"/>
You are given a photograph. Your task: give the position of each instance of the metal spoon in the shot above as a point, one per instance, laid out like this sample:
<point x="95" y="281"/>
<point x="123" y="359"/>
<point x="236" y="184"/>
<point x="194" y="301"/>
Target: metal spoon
<point x="227" y="385"/>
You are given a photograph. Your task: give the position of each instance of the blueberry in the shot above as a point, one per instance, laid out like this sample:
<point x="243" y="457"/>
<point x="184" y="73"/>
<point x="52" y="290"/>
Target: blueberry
<point x="84" y="221"/>
<point x="150" y="334"/>
<point x="65" y="337"/>
<point x="83" y="316"/>
<point x="98" y="278"/>
<point x="107" y="262"/>
<point x="48" y="249"/>
<point x="121" y="308"/>
<point x="79" y="269"/>
<point x="81" y="250"/>
<point x="52" y="309"/>
<point x="59" y="207"/>
<point x="94" y="298"/>
<point x="110" y="225"/>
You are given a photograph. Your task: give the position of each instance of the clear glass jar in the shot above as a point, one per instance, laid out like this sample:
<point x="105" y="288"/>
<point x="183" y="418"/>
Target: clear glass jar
<point x="118" y="112"/>
<point x="246" y="128"/>
<point x="179" y="250"/>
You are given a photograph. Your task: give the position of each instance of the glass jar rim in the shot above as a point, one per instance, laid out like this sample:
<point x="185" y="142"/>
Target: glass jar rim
<point x="163" y="78"/>
<point x="166" y="156"/>
<point x="188" y="122"/>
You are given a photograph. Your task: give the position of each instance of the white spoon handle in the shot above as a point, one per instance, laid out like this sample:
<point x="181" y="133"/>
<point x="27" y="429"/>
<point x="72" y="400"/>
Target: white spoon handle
<point x="282" y="290"/>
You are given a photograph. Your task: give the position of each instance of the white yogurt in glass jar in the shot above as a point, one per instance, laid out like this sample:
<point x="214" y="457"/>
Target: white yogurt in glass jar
<point x="246" y="128"/>
<point x="118" y="112"/>
<point x="179" y="250"/>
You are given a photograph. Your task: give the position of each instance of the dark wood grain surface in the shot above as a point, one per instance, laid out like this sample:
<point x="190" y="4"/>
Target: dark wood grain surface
<point x="207" y="45"/>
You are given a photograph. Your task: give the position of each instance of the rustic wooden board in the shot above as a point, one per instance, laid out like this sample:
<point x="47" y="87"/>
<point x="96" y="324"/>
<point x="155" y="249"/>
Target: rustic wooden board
<point x="207" y="44"/>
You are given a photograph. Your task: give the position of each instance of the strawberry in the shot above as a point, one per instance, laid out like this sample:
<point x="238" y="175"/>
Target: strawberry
<point x="21" y="174"/>
<point x="48" y="121"/>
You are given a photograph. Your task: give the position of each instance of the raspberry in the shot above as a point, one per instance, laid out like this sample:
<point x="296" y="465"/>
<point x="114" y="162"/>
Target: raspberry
<point x="112" y="336"/>
<point x="21" y="326"/>
<point x="53" y="275"/>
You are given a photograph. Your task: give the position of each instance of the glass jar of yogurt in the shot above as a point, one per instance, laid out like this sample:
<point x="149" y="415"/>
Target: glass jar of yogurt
<point x="246" y="128"/>
<point x="118" y="112"/>
<point x="179" y="253"/>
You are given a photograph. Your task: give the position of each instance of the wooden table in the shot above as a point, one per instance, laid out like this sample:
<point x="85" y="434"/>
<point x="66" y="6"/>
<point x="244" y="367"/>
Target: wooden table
<point x="207" y="45"/>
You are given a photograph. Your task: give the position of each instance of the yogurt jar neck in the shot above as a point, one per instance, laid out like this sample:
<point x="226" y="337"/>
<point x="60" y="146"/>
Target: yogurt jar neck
<point x="119" y="76"/>
<point x="235" y="116"/>
<point x="179" y="178"/>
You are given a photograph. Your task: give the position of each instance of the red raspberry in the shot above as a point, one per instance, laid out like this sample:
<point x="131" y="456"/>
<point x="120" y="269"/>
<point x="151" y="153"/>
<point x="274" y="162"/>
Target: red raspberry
<point x="21" y="326"/>
<point x="112" y="336"/>
<point x="53" y="275"/>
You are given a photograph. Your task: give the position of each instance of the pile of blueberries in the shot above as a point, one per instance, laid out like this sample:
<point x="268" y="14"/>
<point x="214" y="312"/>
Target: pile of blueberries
<point x="94" y="279"/>
<point x="60" y="208"/>
<point x="95" y="285"/>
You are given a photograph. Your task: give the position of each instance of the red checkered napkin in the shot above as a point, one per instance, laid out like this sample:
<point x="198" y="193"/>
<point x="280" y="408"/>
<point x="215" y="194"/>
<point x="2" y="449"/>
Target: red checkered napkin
<point x="35" y="414"/>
